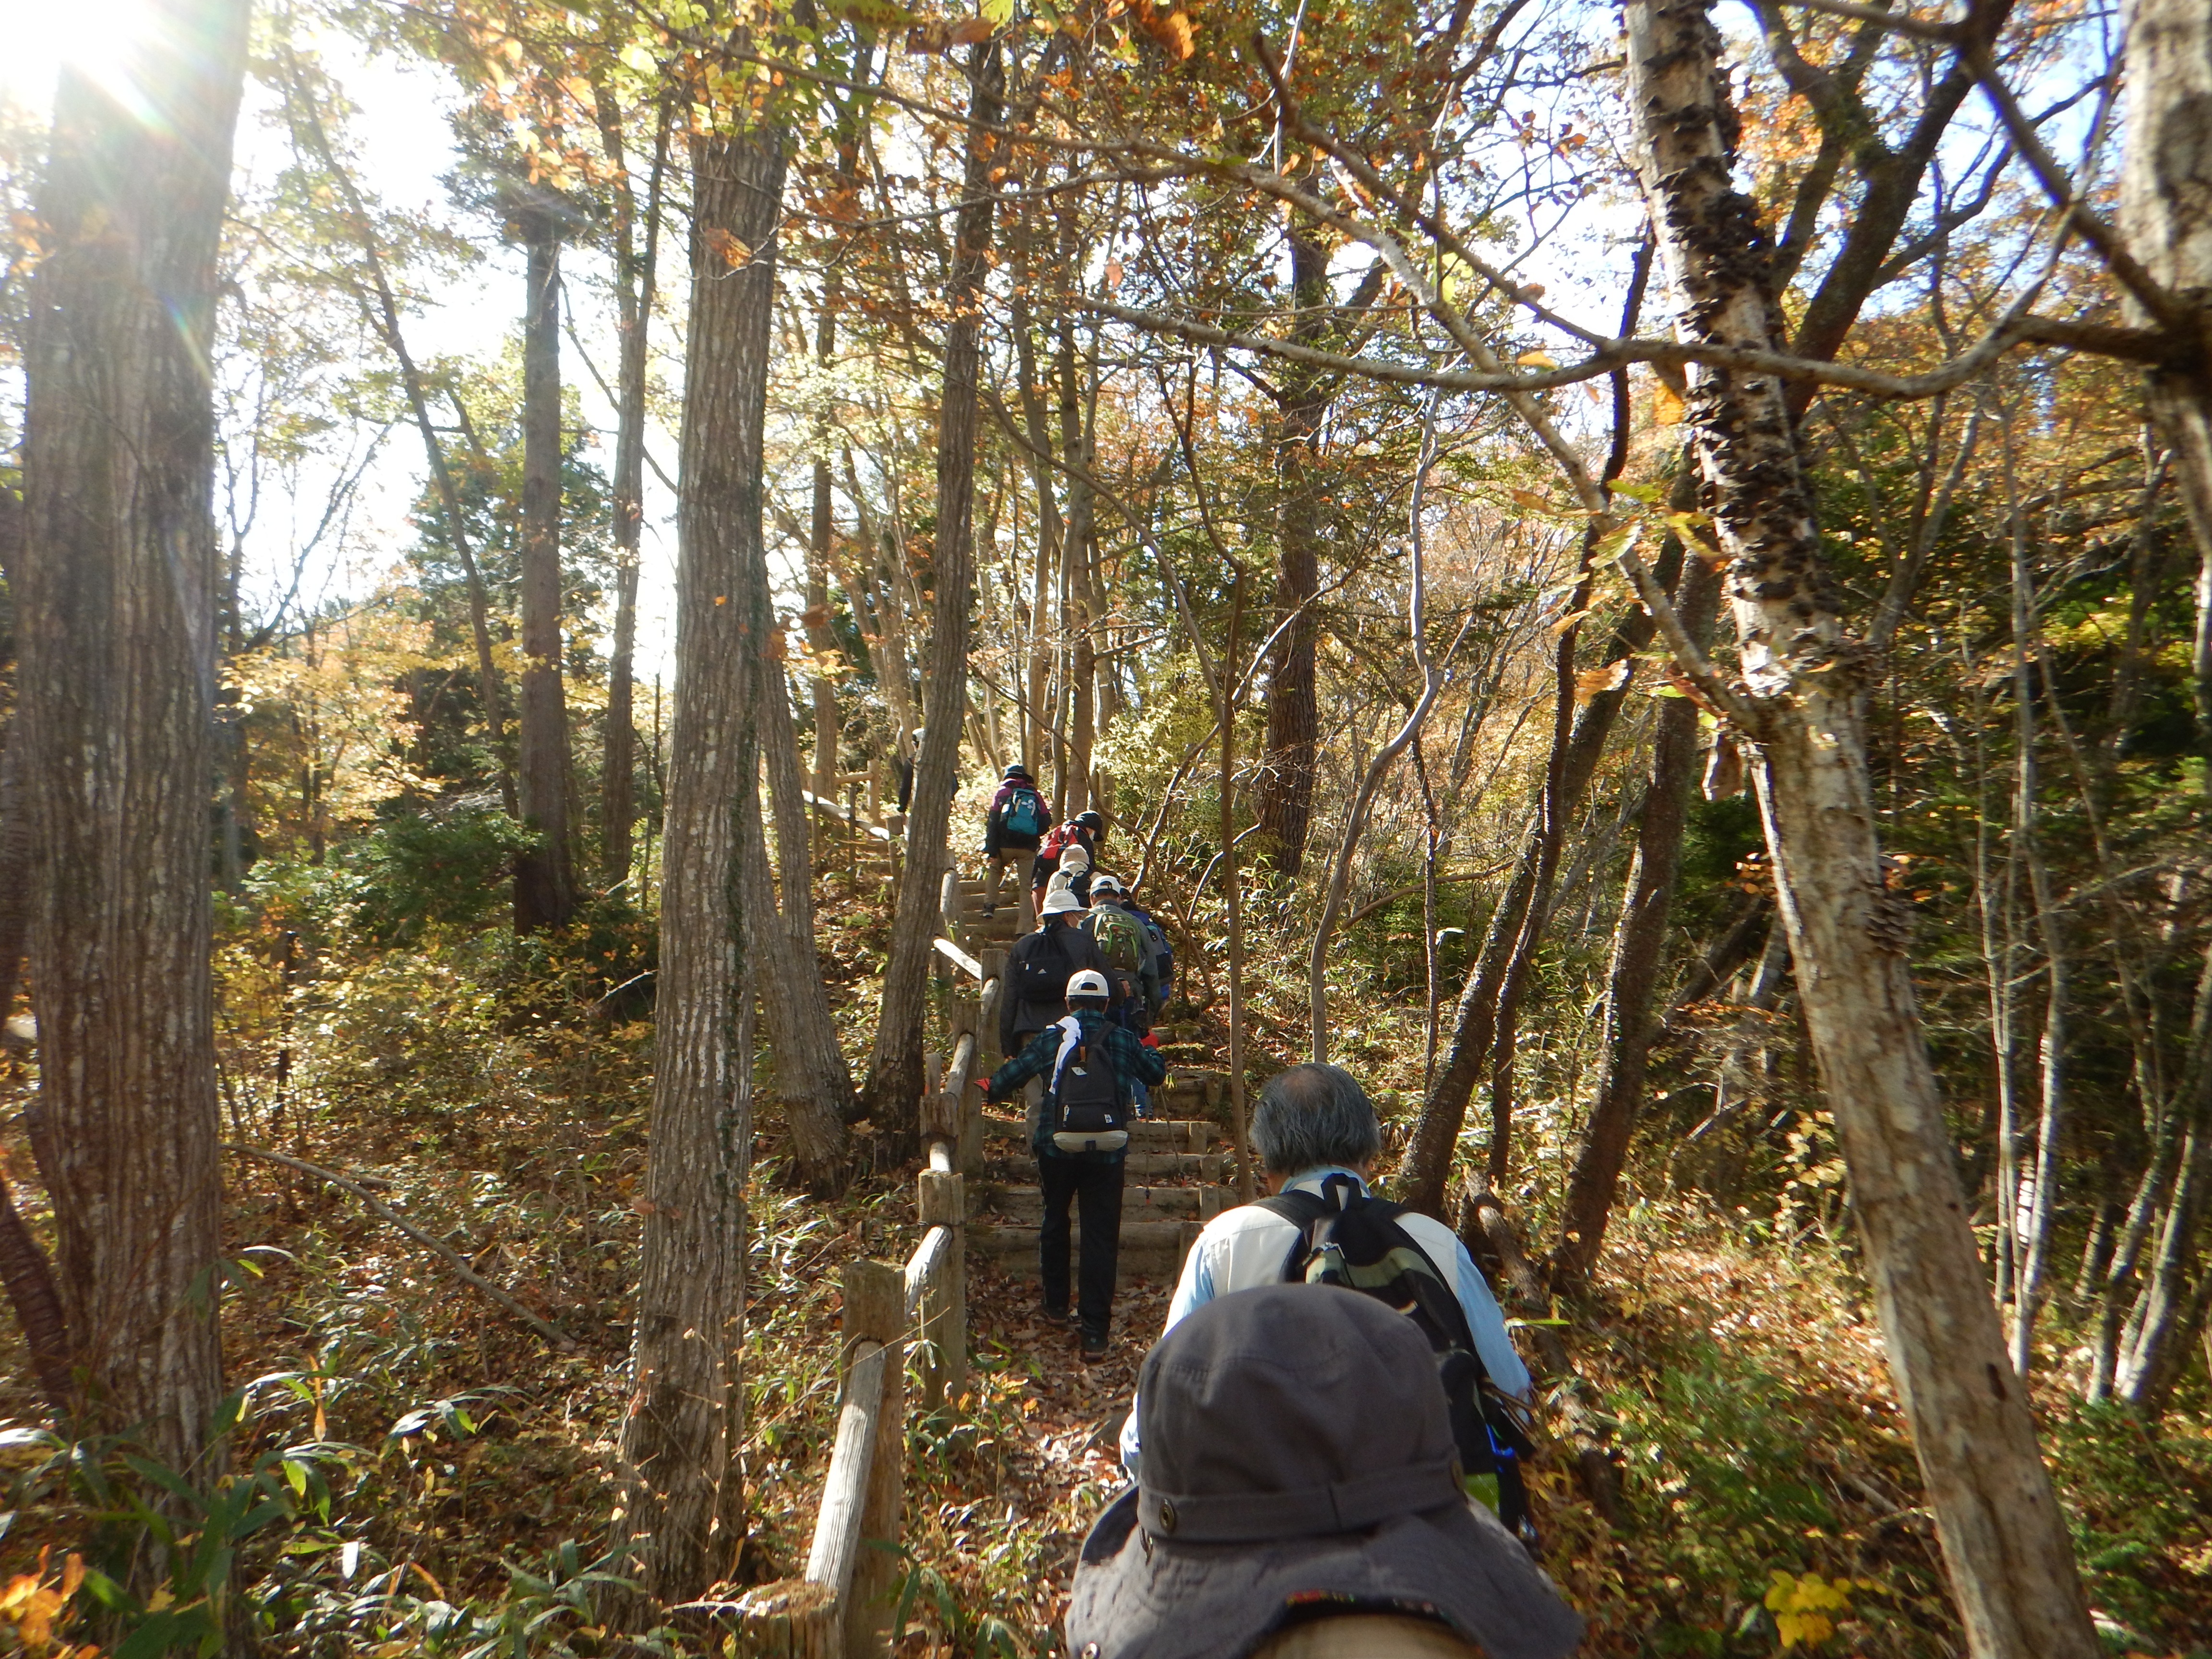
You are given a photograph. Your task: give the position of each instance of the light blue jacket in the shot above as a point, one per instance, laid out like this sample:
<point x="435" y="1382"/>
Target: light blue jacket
<point x="1247" y="1247"/>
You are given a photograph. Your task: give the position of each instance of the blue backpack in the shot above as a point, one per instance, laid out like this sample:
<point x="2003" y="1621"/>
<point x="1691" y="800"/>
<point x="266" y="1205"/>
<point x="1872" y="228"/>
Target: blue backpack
<point x="1024" y="813"/>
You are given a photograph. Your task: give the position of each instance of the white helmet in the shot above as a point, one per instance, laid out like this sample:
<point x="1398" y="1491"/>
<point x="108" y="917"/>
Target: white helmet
<point x="1060" y="901"/>
<point x="1105" y="884"/>
<point x="1087" y="982"/>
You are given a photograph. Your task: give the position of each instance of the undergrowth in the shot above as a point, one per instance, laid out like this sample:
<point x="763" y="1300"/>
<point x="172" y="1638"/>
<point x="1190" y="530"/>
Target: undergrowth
<point x="412" y="1471"/>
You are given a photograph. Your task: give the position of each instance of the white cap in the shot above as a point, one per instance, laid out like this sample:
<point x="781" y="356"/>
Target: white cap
<point x="1105" y="884"/>
<point x="1060" y="901"/>
<point x="1086" y="982"/>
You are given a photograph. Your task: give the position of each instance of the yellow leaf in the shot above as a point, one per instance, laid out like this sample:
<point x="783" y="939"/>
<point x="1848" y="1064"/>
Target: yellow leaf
<point x="1611" y="678"/>
<point x="998" y="13"/>
<point x="1666" y="407"/>
<point x="1531" y="499"/>
<point x="1537" y="359"/>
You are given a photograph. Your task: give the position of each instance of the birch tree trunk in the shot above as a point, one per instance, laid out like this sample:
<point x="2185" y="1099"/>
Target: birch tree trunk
<point x="892" y="1095"/>
<point x="545" y="876"/>
<point x="117" y="590"/>
<point x="2004" y="1540"/>
<point x="682" y="1432"/>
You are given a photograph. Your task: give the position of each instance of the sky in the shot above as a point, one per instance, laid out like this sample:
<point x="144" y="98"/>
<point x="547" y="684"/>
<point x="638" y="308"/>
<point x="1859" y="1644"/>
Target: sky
<point x="403" y="126"/>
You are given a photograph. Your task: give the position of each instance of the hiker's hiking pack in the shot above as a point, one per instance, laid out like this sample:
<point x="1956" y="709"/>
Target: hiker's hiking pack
<point x="1043" y="969"/>
<point x="1023" y="814"/>
<point x="1348" y="1239"/>
<point x="1085" y="1104"/>
<point x="1063" y="836"/>
<point x="1121" y="941"/>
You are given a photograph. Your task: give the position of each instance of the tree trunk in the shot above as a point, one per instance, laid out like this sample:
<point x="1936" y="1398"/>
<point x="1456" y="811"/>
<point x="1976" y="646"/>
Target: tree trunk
<point x="24" y="1269"/>
<point x="1474" y="1020"/>
<point x="634" y="279"/>
<point x="682" y="1432"/>
<point x="1287" y="770"/>
<point x="117" y="591"/>
<point x="545" y="876"/>
<point x="1638" y="943"/>
<point x="2004" y="1539"/>
<point x="380" y="308"/>
<point x="2166" y="217"/>
<point x="814" y="1086"/>
<point x="893" y="1094"/>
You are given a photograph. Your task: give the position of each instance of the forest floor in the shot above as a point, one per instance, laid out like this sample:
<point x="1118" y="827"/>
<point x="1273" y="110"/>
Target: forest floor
<point x="452" y="1473"/>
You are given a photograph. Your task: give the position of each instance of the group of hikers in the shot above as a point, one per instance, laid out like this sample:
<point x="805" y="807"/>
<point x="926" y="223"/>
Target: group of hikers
<point x="1325" y="1447"/>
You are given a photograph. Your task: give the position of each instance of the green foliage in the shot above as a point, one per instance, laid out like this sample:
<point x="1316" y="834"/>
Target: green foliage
<point x="413" y="869"/>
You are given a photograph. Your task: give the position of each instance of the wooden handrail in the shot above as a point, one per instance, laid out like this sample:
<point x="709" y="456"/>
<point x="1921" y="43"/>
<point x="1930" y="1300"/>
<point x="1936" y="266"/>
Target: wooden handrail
<point x="844" y="814"/>
<point x="928" y="1258"/>
<point x="959" y="958"/>
<point x="839" y="1610"/>
<point x="836" y="1548"/>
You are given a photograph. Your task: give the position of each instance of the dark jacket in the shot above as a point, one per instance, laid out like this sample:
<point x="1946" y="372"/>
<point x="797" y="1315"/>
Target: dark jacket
<point x="1064" y="950"/>
<point x="997" y="838"/>
<point x="1133" y="1063"/>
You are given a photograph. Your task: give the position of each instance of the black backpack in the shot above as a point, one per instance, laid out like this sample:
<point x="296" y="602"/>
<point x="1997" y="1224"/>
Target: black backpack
<point x="1357" y="1243"/>
<point x="1089" y="1114"/>
<point x="1042" y="971"/>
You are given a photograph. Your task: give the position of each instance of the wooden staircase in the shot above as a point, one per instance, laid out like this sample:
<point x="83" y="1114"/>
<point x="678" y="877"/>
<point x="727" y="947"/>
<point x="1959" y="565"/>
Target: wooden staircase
<point x="1179" y="1174"/>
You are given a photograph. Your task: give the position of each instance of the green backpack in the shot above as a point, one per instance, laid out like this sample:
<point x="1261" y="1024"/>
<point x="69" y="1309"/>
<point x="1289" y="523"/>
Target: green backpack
<point x="1121" y="941"/>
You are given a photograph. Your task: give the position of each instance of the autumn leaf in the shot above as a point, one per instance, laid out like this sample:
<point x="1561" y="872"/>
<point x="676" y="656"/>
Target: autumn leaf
<point x="727" y="248"/>
<point x="1666" y="407"/>
<point x="969" y="31"/>
<point x="1611" y="678"/>
<point x="1113" y="273"/>
<point x="1530" y="499"/>
<point x="1173" y="31"/>
<point x="1537" y="359"/>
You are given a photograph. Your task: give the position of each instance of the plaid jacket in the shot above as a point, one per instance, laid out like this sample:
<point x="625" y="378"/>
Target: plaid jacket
<point x="1132" y="1060"/>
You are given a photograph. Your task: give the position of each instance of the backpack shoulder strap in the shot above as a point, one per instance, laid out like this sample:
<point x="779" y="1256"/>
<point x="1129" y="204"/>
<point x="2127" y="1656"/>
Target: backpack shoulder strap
<point x="1383" y="1214"/>
<point x="1302" y="1210"/>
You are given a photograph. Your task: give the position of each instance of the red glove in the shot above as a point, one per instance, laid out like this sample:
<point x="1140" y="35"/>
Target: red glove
<point x="1149" y="1040"/>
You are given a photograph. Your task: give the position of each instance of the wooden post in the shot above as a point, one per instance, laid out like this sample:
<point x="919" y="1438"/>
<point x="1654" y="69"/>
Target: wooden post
<point x="940" y="1200"/>
<point x="791" y="1619"/>
<point x="875" y="1311"/>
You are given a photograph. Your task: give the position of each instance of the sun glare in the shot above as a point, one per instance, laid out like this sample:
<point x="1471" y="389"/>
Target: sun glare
<point x="42" y="35"/>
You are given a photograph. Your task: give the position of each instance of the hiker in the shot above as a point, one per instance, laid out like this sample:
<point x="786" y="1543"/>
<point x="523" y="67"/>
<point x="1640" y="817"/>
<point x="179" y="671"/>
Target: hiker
<point x="1316" y="1136"/>
<point x="1072" y="874"/>
<point x="1080" y="1134"/>
<point x="1018" y="821"/>
<point x="1085" y="829"/>
<point x="1162" y="952"/>
<point x="1037" y="971"/>
<point x="1300" y="1499"/>
<point x="1127" y="948"/>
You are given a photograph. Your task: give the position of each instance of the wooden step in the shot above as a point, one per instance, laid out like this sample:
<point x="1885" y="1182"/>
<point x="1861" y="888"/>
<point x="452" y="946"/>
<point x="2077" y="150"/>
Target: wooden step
<point x="1149" y="1250"/>
<point x="1146" y="1166"/>
<point x="1024" y="1205"/>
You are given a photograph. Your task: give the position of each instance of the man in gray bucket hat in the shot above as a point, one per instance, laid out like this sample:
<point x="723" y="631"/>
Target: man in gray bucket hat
<point x="1300" y="1493"/>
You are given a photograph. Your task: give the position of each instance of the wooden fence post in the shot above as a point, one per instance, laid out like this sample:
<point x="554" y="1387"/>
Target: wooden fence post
<point x="875" y="1311"/>
<point x="941" y="1200"/>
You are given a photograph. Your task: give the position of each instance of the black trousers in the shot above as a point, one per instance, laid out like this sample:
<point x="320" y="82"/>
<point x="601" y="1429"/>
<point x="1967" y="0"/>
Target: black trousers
<point x="1096" y="1182"/>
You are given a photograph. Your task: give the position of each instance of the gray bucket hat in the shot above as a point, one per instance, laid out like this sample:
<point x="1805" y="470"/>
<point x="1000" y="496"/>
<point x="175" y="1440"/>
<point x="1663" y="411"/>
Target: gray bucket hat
<point x="1299" y="1462"/>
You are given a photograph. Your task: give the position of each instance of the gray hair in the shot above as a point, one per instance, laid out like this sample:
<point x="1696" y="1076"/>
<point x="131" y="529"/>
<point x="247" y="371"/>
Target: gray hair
<point x="1312" y="1116"/>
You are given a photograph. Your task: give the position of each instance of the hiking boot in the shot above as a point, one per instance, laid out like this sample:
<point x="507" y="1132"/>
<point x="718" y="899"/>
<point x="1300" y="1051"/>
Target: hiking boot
<point x="1056" y="1316"/>
<point x="1094" y="1346"/>
<point x="990" y="910"/>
